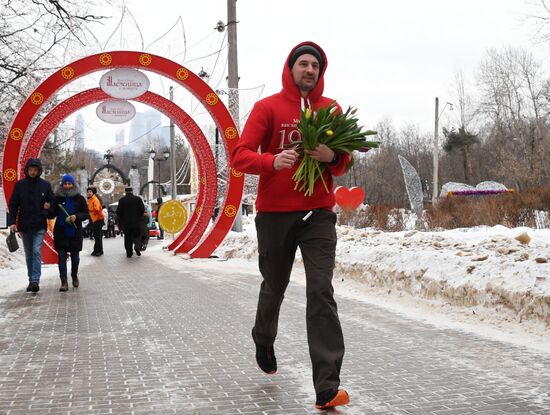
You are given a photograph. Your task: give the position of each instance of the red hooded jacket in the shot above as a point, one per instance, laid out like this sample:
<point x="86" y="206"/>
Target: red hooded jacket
<point x="271" y="125"/>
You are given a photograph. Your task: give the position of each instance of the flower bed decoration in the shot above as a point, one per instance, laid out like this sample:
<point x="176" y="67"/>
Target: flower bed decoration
<point x="478" y="192"/>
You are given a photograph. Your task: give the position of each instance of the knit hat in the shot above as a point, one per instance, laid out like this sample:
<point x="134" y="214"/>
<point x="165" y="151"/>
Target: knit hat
<point x="306" y="49"/>
<point x="68" y="178"/>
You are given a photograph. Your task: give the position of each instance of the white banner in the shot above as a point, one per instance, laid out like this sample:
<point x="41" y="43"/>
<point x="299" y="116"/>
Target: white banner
<point x="115" y="111"/>
<point x="124" y="83"/>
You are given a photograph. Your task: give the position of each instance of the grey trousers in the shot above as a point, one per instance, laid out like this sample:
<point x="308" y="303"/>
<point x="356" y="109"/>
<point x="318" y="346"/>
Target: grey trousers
<point x="279" y="235"/>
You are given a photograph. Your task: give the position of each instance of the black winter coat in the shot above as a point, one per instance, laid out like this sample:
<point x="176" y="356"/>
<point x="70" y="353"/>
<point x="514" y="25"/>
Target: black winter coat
<point x="61" y="241"/>
<point x="130" y="212"/>
<point x="26" y="206"/>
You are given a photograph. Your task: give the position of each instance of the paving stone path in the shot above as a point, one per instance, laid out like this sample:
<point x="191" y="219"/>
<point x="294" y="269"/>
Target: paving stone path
<point x="141" y="337"/>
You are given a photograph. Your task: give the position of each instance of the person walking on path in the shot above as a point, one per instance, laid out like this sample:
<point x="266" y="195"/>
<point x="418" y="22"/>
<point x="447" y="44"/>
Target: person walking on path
<point x="71" y="210"/>
<point x="31" y="203"/>
<point x="161" y="231"/>
<point x="287" y="219"/>
<point x="146" y="223"/>
<point x="97" y="220"/>
<point x="130" y="212"/>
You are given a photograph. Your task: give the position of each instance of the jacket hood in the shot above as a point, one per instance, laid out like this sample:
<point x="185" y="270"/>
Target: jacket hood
<point x="290" y="88"/>
<point x="33" y="162"/>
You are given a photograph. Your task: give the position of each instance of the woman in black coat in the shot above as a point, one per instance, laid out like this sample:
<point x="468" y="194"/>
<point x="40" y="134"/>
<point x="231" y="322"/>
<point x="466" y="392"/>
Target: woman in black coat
<point x="71" y="210"/>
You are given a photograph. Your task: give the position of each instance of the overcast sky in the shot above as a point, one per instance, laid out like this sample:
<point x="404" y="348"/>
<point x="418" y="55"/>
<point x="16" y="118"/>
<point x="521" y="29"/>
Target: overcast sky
<point x="388" y="58"/>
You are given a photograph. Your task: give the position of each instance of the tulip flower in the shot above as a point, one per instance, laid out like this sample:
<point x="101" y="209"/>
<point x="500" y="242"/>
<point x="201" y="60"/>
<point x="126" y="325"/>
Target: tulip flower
<point x="333" y="128"/>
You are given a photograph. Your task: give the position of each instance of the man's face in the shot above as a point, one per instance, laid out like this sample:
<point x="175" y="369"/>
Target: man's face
<point x="89" y="193"/>
<point x="305" y="72"/>
<point x="33" y="171"/>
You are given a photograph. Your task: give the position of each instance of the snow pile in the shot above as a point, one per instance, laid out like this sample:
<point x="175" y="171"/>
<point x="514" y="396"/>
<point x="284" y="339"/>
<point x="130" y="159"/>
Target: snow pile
<point x="505" y="269"/>
<point x="7" y="259"/>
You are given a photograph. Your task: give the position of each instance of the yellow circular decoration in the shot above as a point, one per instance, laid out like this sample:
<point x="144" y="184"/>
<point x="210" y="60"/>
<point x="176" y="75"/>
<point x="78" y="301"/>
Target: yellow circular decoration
<point x="10" y="175"/>
<point x="230" y="211"/>
<point x="212" y="99"/>
<point x="105" y="59"/>
<point x="182" y="74"/>
<point x="236" y="173"/>
<point x="203" y="180"/>
<point x="198" y="209"/>
<point x="231" y="133"/>
<point x="172" y="216"/>
<point x="67" y="72"/>
<point x="16" y="134"/>
<point x="37" y="98"/>
<point x="145" y="59"/>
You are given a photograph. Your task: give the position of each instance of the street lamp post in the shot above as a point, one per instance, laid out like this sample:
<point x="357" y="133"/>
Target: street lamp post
<point x="165" y="156"/>
<point x="435" y="188"/>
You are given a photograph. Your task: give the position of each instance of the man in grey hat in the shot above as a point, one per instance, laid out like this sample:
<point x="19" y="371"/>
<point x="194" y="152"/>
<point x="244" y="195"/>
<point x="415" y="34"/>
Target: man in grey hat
<point x="129" y="212"/>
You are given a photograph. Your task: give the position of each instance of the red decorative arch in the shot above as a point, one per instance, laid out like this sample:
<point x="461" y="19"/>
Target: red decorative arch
<point x="206" y="201"/>
<point x="191" y="241"/>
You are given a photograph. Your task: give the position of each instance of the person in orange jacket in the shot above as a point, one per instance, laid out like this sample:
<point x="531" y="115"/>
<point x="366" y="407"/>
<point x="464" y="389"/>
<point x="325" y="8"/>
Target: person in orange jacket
<point x="97" y="219"/>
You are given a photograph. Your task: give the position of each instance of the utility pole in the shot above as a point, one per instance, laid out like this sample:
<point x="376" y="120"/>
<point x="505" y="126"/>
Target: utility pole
<point x="172" y="152"/>
<point x="233" y="83"/>
<point x="435" y="188"/>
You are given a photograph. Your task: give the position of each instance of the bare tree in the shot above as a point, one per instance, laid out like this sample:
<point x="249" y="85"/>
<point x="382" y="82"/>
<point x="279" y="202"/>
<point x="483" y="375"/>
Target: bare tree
<point x="35" y="38"/>
<point x="515" y="102"/>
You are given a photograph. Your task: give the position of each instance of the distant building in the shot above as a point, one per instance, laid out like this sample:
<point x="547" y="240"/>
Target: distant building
<point x="165" y="136"/>
<point x="79" y="139"/>
<point x="145" y="128"/>
<point x="119" y="139"/>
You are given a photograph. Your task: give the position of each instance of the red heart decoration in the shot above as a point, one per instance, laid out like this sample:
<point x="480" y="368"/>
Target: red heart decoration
<point x="349" y="199"/>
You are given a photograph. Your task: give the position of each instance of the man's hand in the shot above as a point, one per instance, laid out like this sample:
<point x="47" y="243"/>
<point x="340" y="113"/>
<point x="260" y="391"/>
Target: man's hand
<point x="46" y="205"/>
<point x="285" y="159"/>
<point x="13" y="228"/>
<point x="321" y="153"/>
<point x="73" y="218"/>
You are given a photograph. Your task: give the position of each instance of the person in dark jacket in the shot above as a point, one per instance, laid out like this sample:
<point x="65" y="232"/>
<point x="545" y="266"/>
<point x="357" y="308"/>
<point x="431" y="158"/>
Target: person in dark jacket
<point x="161" y="231"/>
<point x="130" y="212"/>
<point x="71" y="210"/>
<point x="30" y="205"/>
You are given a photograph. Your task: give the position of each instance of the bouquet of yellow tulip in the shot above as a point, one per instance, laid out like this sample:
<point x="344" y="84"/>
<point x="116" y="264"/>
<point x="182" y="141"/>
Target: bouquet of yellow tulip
<point x="335" y="129"/>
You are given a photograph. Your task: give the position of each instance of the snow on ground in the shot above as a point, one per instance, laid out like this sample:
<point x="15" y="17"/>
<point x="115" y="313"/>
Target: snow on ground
<point x="492" y="281"/>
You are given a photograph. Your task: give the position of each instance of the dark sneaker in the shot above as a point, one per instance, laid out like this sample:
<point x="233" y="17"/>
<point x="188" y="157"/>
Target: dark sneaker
<point x="35" y="287"/>
<point x="138" y="253"/>
<point x="29" y="288"/>
<point x="76" y="282"/>
<point x="64" y="286"/>
<point x="331" y="398"/>
<point x="265" y="357"/>
<point x="129" y="255"/>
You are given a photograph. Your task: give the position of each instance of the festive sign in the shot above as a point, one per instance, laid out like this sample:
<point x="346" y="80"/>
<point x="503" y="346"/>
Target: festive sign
<point x="115" y="111"/>
<point x="349" y="199"/>
<point x="172" y="216"/>
<point x="200" y="237"/>
<point x="124" y="83"/>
